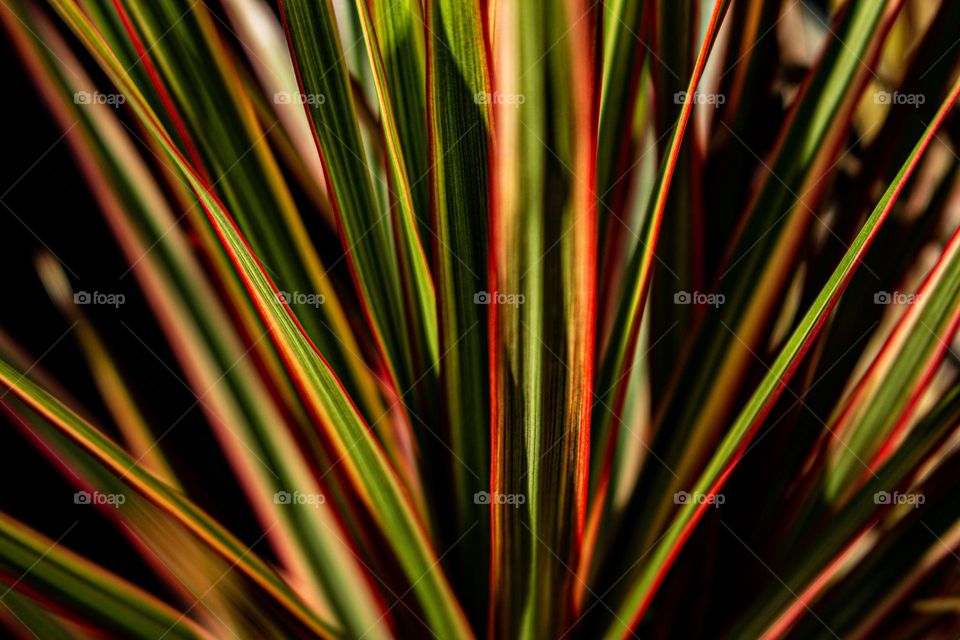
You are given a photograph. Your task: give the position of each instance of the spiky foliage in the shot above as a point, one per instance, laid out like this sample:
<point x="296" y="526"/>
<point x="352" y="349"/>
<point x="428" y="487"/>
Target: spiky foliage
<point x="510" y="318"/>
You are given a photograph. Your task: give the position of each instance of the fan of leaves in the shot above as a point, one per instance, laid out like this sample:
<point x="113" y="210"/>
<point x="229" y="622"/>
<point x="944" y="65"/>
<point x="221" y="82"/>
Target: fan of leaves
<point x="511" y="318"/>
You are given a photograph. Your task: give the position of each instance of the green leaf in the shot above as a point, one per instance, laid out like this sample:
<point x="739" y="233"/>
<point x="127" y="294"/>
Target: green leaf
<point x="262" y="450"/>
<point x="542" y="308"/>
<point x="122" y="465"/>
<point x="361" y="455"/>
<point x="869" y="423"/>
<point x="732" y="448"/>
<point x="623" y="50"/>
<point x="394" y="35"/>
<point x="459" y="130"/>
<point x="614" y="377"/>
<point x="210" y="111"/>
<point x="33" y="560"/>
<point x="859" y="514"/>
<point x="383" y="249"/>
<point x="751" y="281"/>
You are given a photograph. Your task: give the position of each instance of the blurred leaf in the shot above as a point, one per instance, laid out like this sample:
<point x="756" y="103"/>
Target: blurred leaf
<point x="543" y="260"/>
<point x="732" y="448"/>
<point x="459" y="123"/>
<point x="70" y="580"/>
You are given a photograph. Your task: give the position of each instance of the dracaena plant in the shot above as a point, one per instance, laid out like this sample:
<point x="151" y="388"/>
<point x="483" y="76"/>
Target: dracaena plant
<point x="508" y="318"/>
